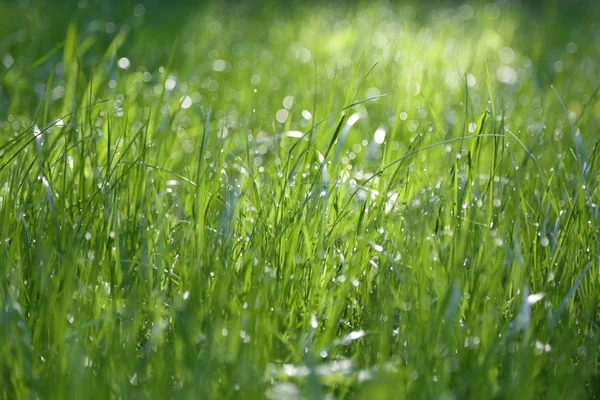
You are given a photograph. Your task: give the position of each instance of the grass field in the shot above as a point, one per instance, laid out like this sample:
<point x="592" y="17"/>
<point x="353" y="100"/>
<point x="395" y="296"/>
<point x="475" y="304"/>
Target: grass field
<point x="306" y="200"/>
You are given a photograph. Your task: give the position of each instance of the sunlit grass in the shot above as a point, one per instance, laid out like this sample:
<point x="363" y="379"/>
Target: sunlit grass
<point x="348" y="201"/>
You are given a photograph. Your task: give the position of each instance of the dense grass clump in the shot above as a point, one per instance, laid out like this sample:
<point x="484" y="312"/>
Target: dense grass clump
<point x="311" y="201"/>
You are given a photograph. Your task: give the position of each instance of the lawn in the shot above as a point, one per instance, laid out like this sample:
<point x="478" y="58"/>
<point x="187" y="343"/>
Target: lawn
<point x="320" y="200"/>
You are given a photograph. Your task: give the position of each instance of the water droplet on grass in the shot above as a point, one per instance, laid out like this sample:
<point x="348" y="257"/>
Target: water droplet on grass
<point x="534" y="298"/>
<point x="377" y="247"/>
<point x="186" y="102"/>
<point x="282" y="115"/>
<point x="313" y="321"/>
<point x="170" y="84"/>
<point x="379" y="136"/>
<point x="288" y="101"/>
<point x="124" y="63"/>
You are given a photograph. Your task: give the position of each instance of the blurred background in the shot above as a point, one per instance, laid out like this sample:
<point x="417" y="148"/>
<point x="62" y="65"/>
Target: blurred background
<point x="553" y="38"/>
<point x="284" y="64"/>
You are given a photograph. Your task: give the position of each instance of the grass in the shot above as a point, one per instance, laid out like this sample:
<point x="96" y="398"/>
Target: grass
<point x="316" y="201"/>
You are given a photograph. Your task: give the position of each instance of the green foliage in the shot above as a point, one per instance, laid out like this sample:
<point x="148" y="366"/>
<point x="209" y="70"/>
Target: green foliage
<point x="324" y="201"/>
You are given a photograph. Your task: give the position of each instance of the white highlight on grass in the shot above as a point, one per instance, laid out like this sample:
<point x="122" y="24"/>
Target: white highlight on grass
<point x="186" y="102"/>
<point x="507" y="75"/>
<point x="356" y="335"/>
<point x="313" y="321"/>
<point x="391" y="202"/>
<point x="282" y="115"/>
<point x="321" y="159"/>
<point x="544" y="241"/>
<point x="471" y="80"/>
<point x="48" y="192"/>
<point x="349" y="338"/>
<point x="170" y="84"/>
<point x="124" y="63"/>
<point x="534" y="298"/>
<point x="377" y="247"/>
<point x="294" y="134"/>
<point x="306" y="115"/>
<point x="353" y="119"/>
<point x="292" y="370"/>
<point x="379" y="136"/>
<point x="288" y="102"/>
<point x="541" y="347"/>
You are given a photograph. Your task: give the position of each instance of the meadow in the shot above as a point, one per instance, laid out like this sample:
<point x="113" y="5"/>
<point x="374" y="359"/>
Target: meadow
<point x="301" y="200"/>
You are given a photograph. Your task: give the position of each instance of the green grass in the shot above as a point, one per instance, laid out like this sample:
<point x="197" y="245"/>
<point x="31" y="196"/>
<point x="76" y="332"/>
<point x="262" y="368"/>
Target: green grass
<point x="316" y="201"/>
